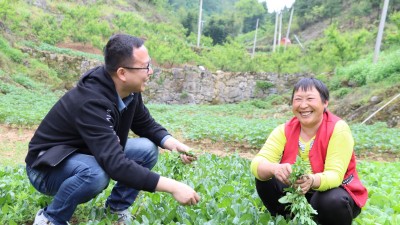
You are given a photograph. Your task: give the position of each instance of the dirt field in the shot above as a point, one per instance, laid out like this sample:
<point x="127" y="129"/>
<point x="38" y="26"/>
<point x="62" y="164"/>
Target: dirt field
<point x="14" y="144"/>
<point x="81" y="47"/>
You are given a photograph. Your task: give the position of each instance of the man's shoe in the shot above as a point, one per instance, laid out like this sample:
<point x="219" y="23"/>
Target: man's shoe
<point x="41" y="219"/>
<point x="124" y="216"/>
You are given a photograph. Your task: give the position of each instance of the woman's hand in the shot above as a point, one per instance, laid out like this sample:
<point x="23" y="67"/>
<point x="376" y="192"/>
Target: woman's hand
<point x="305" y="183"/>
<point x="282" y="172"/>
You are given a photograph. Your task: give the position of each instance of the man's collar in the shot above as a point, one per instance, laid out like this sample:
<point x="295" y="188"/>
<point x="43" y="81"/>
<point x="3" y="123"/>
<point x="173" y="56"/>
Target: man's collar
<point x="123" y="103"/>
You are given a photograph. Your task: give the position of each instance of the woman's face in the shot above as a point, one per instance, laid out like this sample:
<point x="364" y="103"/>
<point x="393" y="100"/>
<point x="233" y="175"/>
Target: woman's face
<point x="308" y="107"/>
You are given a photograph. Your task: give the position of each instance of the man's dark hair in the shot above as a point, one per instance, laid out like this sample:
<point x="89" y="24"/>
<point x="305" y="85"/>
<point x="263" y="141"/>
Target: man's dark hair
<point x="119" y="51"/>
<point x="308" y="83"/>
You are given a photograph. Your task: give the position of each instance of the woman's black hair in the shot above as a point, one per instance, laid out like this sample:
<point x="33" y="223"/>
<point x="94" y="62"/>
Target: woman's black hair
<point x="308" y="83"/>
<point x="119" y="51"/>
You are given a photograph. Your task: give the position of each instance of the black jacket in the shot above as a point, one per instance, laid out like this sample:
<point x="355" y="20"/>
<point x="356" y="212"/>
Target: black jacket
<point x="87" y="120"/>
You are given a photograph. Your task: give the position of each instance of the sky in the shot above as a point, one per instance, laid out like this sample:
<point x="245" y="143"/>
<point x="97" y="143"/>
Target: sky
<point x="277" y="5"/>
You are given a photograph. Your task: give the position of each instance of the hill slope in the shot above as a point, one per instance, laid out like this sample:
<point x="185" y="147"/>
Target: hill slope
<point x="332" y="49"/>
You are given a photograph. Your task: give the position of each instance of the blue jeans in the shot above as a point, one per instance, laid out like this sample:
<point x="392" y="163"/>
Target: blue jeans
<point x="79" y="178"/>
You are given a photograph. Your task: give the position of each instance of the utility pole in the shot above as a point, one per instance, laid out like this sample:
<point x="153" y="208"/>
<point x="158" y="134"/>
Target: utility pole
<point x="255" y="40"/>
<point x="290" y="23"/>
<point x="199" y="23"/>
<point x="380" y="31"/>
<point x="276" y="28"/>
<point x="280" y="28"/>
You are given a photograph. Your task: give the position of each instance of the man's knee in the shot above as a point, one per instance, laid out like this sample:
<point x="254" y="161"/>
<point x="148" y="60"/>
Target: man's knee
<point x="96" y="180"/>
<point x="142" y="150"/>
<point x="149" y="146"/>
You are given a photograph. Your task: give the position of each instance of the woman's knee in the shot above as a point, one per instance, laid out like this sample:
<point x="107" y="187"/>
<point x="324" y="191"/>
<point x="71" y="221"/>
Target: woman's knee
<point x="270" y="191"/>
<point x="330" y="200"/>
<point x="334" y="206"/>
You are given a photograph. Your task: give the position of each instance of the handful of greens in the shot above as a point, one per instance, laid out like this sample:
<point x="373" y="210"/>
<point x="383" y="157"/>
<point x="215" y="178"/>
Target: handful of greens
<point x="299" y="207"/>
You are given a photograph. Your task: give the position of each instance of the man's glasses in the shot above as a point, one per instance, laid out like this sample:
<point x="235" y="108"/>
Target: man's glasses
<point x="138" y="68"/>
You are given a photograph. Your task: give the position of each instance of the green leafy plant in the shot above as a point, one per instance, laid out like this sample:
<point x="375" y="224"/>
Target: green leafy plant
<point x="263" y="85"/>
<point x="298" y="205"/>
<point x="225" y="185"/>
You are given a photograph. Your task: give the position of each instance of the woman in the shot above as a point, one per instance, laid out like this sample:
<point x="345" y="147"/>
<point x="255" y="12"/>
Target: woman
<point x="326" y="143"/>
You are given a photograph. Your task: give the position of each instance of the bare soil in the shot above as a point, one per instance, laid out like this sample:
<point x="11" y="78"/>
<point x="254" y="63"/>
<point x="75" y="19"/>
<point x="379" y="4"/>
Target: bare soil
<point x="83" y="47"/>
<point x="14" y="135"/>
<point x="14" y="144"/>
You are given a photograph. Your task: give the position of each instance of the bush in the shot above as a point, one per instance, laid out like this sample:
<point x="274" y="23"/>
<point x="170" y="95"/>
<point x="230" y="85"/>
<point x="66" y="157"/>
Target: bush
<point x="342" y="92"/>
<point x="25" y="81"/>
<point x="260" y="104"/>
<point x="263" y="85"/>
<point x="41" y="72"/>
<point x="14" y="54"/>
<point x="388" y="66"/>
<point x="356" y="73"/>
<point x="230" y="56"/>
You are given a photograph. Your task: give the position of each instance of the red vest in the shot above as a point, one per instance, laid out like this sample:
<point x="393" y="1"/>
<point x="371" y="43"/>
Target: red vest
<point x="351" y="183"/>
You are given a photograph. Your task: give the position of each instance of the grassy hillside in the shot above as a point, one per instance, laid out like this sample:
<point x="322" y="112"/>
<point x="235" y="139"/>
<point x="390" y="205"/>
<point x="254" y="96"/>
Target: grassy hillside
<point x="340" y="54"/>
<point x="339" y="40"/>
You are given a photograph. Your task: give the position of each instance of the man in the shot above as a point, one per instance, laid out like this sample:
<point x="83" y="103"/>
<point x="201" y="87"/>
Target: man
<point x="83" y="142"/>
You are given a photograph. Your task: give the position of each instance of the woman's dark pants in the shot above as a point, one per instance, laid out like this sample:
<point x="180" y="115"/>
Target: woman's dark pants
<point x="334" y="206"/>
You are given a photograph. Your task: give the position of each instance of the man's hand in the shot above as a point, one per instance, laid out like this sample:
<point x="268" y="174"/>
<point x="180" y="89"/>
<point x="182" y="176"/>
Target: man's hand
<point x="175" y="145"/>
<point x="182" y="193"/>
<point x="185" y="195"/>
<point x="188" y="158"/>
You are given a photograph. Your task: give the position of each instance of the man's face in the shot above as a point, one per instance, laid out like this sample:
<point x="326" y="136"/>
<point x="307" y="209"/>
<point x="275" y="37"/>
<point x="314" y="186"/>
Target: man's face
<point x="138" y="73"/>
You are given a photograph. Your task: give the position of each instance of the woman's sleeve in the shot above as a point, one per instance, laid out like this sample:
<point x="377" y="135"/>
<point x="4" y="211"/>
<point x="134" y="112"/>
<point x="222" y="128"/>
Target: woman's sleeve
<point x="272" y="149"/>
<point x="340" y="149"/>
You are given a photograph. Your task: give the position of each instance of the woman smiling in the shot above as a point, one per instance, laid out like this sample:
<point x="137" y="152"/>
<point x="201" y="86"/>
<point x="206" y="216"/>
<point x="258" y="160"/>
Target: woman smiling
<point x="325" y="142"/>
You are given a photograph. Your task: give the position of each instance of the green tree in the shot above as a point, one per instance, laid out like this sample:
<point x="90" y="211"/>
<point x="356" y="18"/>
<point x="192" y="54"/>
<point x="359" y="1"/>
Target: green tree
<point x="332" y="8"/>
<point x="305" y="6"/>
<point x="342" y="47"/>
<point x="285" y="61"/>
<point x="393" y="30"/>
<point x="231" y="56"/>
<point x="160" y="3"/>
<point x="250" y="11"/>
<point x="362" y="8"/>
<point x="376" y="4"/>
<point x="189" y="22"/>
<point x="47" y="29"/>
<point x="216" y="30"/>
<point x="338" y="46"/>
<point x="6" y="9"/>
